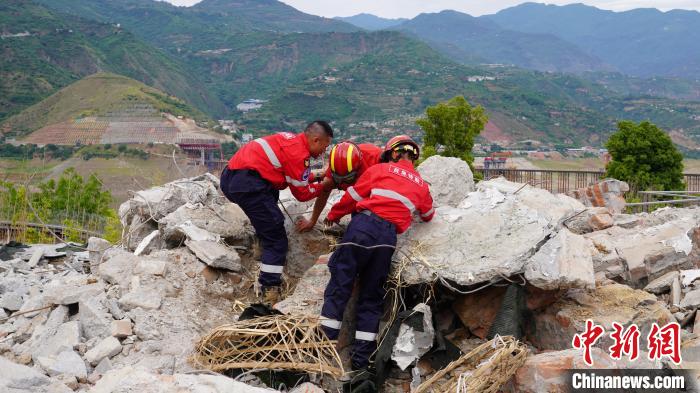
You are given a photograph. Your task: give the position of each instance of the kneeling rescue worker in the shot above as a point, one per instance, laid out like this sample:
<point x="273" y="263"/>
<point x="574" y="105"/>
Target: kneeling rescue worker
<point x="348" y="162"/>
<point x="383" y="202"/>
<point x="252" y="180"/>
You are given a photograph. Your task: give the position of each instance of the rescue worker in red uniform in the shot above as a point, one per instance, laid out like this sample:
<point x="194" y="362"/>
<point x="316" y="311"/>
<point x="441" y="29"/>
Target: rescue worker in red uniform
<point x="348" y="162"/>
<point x="383" y="202"/>
<point x="252" y="180"/>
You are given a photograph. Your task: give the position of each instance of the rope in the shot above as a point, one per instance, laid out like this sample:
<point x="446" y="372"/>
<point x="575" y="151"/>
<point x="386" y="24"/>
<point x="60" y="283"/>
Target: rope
<point x="26" y="312"/>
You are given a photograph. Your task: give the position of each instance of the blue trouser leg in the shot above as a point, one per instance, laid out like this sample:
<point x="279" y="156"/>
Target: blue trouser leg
<point x="371" y="266"/>
<point x="258" y="200"/>
<point x="370" y="304"/>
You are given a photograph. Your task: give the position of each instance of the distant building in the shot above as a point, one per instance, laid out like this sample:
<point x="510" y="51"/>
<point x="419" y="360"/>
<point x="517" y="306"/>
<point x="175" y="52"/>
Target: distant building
<point x="480" y="78"/>
<point x="250" y="105"/>
<point x="245" y="138"/>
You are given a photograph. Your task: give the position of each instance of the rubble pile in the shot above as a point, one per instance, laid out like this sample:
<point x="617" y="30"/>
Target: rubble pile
<point x="113" y="318"/>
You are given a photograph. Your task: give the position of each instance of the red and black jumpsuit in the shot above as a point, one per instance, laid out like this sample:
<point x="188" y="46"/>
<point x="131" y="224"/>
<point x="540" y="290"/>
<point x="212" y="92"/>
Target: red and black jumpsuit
<point x="383" y="200"/>
<point x="252" y="180"/>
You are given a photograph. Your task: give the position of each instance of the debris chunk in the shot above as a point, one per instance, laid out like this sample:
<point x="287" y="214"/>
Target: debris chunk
<point x="450" y="179"/>
<point x="215" y="255"/>
<point x="106" y="348"/>
<point x="412" y="343"/>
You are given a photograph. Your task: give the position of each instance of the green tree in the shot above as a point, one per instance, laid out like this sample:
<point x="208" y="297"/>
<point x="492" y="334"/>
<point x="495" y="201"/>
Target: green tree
<point x="644" y="156"/>
<point x="450" y="128"/>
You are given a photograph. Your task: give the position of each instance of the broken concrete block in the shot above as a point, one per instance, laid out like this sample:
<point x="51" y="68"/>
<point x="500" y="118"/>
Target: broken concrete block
<point x="94" y="316"/>
<point x="17" y="378"/>
<point x="72" y="292"/>
<point x="134" y="379"/>
<point x="591" y="220"/>
<point x="36" y="257"/>
<point x="651" y="250"/>
<point x="688" y="277"/>
<point x="555" y="326"/>
<point x="411" y="344"/>
<point x="226" y="220"/>
<point x="96" y="248"/>
<point x="104" y="366"/>
<point x="563" y="262"/>
<point x="662" y="284"/>
<point x="548" y="371"/>
<point x="148" y="244"/>
<point x="12" y="301"/>
<point x="691" y="299"/>
<point x="609" y="193"/>
<point x="151" y="267"/>
<point x="188" y="230"/>
<point x="450" y="179"/>
<point x="145" y="298"/>
<point x="676" y="292"/>
<point x="215" y="254"/>
<point x="106" y="348"/>
<point x="119" y="268"/>
<point x="307" y="298"/>
<point x="157" y="202"/>
<point x="627" y="221"/>
<point x="137" y="229"/>
<point x="68" y="362"/>
<point x="121" y="328"/>
<point x="68" y="381"/>
<point x="493" y="233"/>
<point x="52" y="343"/>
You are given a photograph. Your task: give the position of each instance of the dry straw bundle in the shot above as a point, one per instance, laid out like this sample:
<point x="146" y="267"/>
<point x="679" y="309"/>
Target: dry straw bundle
<point x="485" y="369"/>
<point x="286" y="342"/>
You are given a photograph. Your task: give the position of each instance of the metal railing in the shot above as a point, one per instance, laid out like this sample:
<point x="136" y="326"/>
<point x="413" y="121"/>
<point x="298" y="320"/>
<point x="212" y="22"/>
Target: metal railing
<point x="654" y="199"/>
<point x="557" y="181"/>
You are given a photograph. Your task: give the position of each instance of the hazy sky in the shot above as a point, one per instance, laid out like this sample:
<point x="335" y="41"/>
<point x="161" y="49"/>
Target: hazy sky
<point x="411" y="8"/>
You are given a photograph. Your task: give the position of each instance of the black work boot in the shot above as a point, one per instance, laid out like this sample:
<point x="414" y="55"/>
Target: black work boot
<point x="363" y="381"/>
<point x="271" y="295"/>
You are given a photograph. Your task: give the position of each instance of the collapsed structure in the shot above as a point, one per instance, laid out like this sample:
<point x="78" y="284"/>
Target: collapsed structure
<point x="110" y="318"/>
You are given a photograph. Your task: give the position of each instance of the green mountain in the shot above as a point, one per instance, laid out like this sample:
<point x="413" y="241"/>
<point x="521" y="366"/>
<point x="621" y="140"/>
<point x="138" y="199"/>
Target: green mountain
<point x="668" y="87"/>
<point x="42" y="51"/>
<point x="640" y="42"/>
<point x="206" y="24"/>
<point x="477" y="40"/>
<point x="371" y="22"/>
<point x="95" y="96"/>
<point x="366" y="81"/>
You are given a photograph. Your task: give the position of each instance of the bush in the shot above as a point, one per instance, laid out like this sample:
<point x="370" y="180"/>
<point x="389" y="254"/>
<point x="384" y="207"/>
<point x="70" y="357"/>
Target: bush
<point x="645" y="157"/>
<point x="452" y="126"/>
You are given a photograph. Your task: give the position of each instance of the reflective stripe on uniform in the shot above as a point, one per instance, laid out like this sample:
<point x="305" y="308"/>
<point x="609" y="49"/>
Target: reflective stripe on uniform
<point x="365" y="336"/>
<point x="354" y="194"/>
<point x="428" y="213"/>
<point x="271" y="268"/>
<point x="394" y="195"/>
<point x="296" y="183"/>
<point x="269" y="152"/>
<point x="331" y="323"/>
